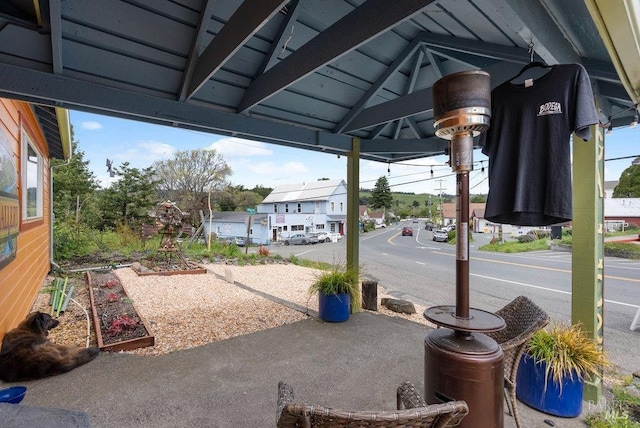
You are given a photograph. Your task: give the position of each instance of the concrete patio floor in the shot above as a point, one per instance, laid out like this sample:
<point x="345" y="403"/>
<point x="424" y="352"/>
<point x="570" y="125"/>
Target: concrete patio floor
<point x="357" y="364"/>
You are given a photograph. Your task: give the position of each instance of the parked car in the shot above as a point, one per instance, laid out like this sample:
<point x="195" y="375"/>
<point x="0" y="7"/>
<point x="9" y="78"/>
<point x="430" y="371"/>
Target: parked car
<point x="407" y="231"/>
<point x="231" y="240"/>
<point x="440" y="235"/>
<point x="324" y="236"/>
<point x="301" y="239"/>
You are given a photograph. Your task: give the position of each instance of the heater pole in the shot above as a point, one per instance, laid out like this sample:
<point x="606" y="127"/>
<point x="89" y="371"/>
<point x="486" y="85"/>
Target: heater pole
<point x="462" y="245"/>
<point x="461" y="163"/>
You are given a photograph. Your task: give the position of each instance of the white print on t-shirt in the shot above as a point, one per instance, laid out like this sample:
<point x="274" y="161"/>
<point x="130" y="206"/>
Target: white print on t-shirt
<point x="552" y="107"/>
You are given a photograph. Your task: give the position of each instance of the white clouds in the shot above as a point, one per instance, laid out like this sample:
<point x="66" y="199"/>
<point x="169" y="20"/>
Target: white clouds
<point x="295" y="167"/>
<point x="91" y="125"/>
<point x="232" y="146"/>
<point x="157" y="150"/>
<point x="143" y="153"/>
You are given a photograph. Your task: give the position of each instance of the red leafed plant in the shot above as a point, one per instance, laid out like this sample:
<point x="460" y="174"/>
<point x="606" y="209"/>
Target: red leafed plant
<point x="112" y="297"/>
<point x="122" y="323"/>
<point x="110" y="284"/>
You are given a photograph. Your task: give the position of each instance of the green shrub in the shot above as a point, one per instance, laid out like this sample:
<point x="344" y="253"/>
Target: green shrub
<point x="71" y="239"/>
<point x="526" y="238"/>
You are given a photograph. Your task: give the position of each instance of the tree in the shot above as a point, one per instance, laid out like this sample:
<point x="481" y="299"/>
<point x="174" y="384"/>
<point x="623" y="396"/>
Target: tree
<point x="415" y="204"/>
<point x="381" y="194"/>
<point x="478" y="199"/>
<point x="262" y="191"/>
<point x="187" y="178"/>
<point x="74" y="186"/>
<point x="629" y="184"/>
<point x="129" y="199"/>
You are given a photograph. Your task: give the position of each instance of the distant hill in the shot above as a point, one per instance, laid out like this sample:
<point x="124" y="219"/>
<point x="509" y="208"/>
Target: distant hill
<point x="403" y="202"/>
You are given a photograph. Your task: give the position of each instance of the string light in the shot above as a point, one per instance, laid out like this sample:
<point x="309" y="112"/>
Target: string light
<point x="634" y="121"/>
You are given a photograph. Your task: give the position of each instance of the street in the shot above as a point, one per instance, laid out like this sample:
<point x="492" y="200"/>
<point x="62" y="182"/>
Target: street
<point x="423" y="271"/>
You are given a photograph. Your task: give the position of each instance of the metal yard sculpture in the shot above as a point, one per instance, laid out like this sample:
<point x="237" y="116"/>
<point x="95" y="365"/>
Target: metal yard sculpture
<point x="169" y="217"/>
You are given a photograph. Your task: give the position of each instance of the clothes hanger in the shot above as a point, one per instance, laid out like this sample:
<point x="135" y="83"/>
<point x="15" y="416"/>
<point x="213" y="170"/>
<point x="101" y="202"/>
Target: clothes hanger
<point x="531" y="64"/>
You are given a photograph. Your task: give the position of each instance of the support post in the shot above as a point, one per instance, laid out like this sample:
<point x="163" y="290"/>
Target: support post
<point x="353" y="199"/>
<point x="588" y="243"/>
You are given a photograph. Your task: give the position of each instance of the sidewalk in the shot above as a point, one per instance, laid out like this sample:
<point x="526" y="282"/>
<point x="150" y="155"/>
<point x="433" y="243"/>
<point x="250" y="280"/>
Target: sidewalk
<point x="357" y="364"/>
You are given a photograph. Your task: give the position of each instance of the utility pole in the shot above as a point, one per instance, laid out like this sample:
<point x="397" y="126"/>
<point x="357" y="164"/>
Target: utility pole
<point x="440" y="189"/>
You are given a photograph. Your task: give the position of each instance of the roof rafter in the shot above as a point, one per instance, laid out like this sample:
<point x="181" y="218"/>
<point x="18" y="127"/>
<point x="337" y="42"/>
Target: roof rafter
<point x="406" y="53"/>
<point x="45" y="88"/>
<point x="280" y="40"/>
<point x="247" y="20"/>
<point x="531" y="21"/>
<point x="194" y="52"/>
<point x="55" y="24"/>
<point x="354" y="29"/>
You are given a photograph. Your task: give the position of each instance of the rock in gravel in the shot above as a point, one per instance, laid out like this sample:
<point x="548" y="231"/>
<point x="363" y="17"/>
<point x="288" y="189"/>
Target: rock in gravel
<point x="398" y="305"/>
<point x="139" y="268"/>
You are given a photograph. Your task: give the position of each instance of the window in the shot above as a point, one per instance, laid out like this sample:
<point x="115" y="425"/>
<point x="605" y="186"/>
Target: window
<point x="297" y="227"/>
<point x="341" y="207"/>
<point x="286" y="208"/>
<point x="299" y="208"/>
<point x="319" y="226"/>
<point x="333" y="206"/>
<point x="275" y="208"/>
<point x="32" y="165"/>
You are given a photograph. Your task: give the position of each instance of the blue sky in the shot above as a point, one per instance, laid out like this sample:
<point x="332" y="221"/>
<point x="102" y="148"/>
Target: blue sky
<point x="256" y="163"/>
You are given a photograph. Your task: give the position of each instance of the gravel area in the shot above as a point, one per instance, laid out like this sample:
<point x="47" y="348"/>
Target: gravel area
<point x="184" y="311"/>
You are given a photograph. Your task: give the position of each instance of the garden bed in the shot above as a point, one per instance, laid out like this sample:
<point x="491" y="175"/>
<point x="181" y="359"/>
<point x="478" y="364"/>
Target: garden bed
<point x="117" y="323"/>
<point x="188" y="268"/>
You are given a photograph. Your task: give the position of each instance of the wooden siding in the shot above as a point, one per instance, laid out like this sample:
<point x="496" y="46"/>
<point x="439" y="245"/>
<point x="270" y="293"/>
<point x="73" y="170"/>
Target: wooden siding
<point x="21" y="279"/>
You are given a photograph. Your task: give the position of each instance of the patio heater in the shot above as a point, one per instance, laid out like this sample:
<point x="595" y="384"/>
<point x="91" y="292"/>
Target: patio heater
<point x="462" y="363"/>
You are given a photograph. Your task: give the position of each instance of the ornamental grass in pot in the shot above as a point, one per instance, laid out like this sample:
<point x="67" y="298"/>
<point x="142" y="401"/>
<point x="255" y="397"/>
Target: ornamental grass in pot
<point x="553" y="369"/>
<point x="338" y="294"/>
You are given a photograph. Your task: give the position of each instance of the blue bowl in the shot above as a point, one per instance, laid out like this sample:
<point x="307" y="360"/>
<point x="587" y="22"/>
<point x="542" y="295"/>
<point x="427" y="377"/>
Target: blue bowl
<point x="13" y="395"/>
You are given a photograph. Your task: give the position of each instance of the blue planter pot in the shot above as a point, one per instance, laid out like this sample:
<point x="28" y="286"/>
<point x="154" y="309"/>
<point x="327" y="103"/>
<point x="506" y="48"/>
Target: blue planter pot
<point x="334" y="307"/>
<point x="530" y="389"/>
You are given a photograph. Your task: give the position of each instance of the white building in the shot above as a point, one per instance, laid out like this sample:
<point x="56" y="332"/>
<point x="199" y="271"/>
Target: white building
<point x="232" y="224"/>
<point x="306" y="207"/>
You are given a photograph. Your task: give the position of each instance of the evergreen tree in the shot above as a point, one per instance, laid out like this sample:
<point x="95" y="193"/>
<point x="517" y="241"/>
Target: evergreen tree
<point x="74" y="187"/>
<point x="629" y="184"/>
<point x="129" y="199"/>
<point x="381" y="194"/>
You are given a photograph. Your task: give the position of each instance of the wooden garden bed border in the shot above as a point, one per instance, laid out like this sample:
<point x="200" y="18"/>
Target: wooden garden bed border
<point x="125" y="345"/>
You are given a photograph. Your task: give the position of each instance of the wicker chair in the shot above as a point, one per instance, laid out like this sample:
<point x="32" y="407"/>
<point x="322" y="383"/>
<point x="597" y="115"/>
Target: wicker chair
<point x="436" y="415"/>
<point x="522" y="318"/>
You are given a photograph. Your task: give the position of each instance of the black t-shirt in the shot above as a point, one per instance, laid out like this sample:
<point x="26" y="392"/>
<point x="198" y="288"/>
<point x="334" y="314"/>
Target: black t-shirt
<point x="528" y="145"/>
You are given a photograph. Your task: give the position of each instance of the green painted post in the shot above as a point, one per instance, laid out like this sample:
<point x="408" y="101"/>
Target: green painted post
<point x="588" y="243"/>
<point x="353" y="201"/>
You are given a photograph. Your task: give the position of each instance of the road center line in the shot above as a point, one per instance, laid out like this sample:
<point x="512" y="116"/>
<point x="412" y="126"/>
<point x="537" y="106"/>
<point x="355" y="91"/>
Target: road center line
<point x="303" y="253"/>
<point x="535" y="267"/>
<point x="547" y="289"/>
